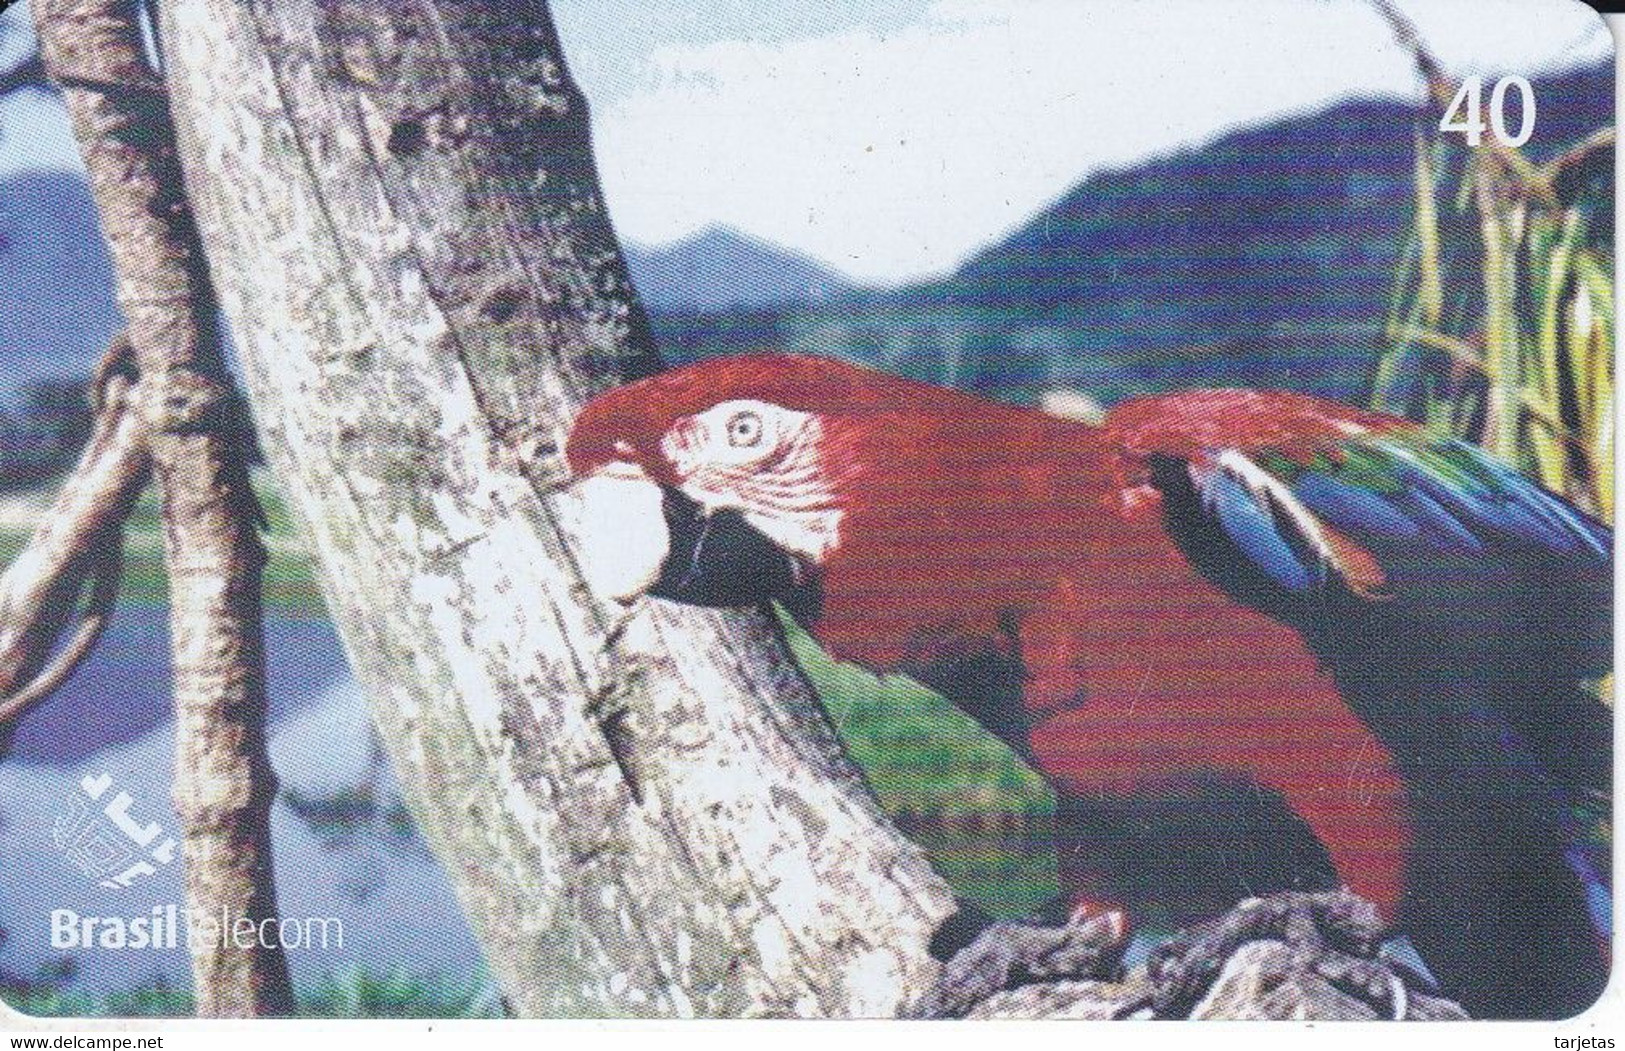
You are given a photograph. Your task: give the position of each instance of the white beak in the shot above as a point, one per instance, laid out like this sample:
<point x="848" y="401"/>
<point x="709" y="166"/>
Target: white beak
<point x="623" y="541"/>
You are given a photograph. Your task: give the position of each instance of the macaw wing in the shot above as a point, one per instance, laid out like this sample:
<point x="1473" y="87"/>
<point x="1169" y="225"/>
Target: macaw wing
<point x="1382" y="512"/>
<point x="1400" y="554"/>
<point x="1458" y="606"/>
<point x="1313" y="494"/>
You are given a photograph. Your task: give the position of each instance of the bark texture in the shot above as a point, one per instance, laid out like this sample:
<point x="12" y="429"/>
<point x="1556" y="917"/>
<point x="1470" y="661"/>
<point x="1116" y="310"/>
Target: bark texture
<point x="1261" y="980"/>
<point x="643" y="812"/>
<point x="223" y="783"/>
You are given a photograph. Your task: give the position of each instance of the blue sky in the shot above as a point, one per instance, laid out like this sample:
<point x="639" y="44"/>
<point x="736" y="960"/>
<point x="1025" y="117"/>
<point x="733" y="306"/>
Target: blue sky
<point x="891" y="138"/>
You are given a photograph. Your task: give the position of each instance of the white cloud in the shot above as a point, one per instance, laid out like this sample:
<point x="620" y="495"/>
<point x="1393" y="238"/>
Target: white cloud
<point x="894" y="154"/>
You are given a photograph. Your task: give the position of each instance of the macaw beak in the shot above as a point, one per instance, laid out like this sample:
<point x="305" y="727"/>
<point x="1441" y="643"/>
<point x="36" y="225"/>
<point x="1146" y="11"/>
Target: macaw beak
<point x="622" y="541"/>
<point x="637" y="536"/>
<point x="717" y="558"/>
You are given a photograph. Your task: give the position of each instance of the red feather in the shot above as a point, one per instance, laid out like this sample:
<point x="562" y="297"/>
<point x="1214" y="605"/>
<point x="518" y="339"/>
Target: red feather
<point x="1191" y="422"/>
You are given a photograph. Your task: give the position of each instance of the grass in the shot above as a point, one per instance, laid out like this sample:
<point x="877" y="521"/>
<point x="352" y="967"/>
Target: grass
<point x="290" y="580"/>
<point x="357" y="993"/>
<point x="1501" y="328"/>
<point x="156" y="1000"/>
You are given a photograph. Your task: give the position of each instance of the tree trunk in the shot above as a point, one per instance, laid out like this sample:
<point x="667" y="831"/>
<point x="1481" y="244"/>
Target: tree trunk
<point x="223" y="782"/>
<point x="644" y="812"/>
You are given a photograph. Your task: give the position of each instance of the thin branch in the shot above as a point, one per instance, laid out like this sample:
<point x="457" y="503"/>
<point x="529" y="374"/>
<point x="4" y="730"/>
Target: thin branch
<point x="103" y="592"/>
<point x="78" y="541"/>
<point x="29" y="73"/>
<point x="1600" y="141"/>
<point x="1589" y="161"/>
<point x="224" y="786"/>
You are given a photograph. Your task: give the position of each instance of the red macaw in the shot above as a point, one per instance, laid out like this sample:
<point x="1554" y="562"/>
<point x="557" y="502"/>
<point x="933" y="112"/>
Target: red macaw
<point x="1386" y="631"/>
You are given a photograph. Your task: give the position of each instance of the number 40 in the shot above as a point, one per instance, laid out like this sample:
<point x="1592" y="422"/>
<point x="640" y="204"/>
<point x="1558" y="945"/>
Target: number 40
<point x="1466" y="112"/>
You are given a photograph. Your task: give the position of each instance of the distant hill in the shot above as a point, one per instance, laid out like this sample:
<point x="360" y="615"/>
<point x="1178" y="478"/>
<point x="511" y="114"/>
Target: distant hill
<point x="56" y="282"/>
<point x="720" y="269"/>
<point x="1285" y="229"/>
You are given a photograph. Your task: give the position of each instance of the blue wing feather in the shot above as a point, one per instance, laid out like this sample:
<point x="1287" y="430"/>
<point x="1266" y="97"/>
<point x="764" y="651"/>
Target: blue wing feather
<point x="1437" y="523"/>
<point x="1254" y="530"/>
<point x="1353" y="509"/>
<point x="1555" y="523"/>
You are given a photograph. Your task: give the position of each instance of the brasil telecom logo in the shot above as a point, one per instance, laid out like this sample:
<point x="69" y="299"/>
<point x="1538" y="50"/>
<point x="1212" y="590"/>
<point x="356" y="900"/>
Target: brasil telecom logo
<point x="105" y="841"/>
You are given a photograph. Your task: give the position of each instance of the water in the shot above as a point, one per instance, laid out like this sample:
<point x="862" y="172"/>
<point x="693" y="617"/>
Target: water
<point x="113" y="720"/>
<point x="343" y="847"/>
<point x="121" y="693"/>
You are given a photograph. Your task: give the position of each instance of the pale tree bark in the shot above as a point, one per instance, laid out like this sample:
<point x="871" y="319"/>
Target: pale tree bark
<point x="642" y="814"/>
<point x="223" y="785"/>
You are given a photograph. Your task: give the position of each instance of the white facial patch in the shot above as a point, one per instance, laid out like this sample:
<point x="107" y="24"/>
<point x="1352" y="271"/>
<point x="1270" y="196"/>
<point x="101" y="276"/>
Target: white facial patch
<point x="622" y="532"/>
<point x="764" y="461"/>
<point x="734" y="434"/>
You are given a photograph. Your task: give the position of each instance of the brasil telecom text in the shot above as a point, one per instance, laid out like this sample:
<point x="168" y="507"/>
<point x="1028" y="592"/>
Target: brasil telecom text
<point x="169" y="925"/>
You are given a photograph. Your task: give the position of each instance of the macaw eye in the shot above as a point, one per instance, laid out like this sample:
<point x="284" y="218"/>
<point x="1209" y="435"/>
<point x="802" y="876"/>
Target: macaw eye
<point x="744" y="430"/>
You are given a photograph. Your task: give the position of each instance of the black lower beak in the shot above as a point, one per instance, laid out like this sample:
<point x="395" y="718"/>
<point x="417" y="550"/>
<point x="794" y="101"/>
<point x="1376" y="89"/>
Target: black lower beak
<point x="720" y="559"/>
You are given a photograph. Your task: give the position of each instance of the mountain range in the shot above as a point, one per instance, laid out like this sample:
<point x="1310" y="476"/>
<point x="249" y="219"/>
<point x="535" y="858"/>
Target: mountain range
<point x="1264" y="256"/>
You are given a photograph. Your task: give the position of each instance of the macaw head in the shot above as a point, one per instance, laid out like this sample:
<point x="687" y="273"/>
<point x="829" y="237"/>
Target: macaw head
<point x="737" y="480"/>
<point x="895" y="515"/>
<point x="722" y="483"/>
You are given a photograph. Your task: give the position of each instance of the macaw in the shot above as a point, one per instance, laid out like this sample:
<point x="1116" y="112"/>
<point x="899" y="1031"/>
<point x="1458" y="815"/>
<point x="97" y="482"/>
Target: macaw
<point x="1228" y="595"/>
